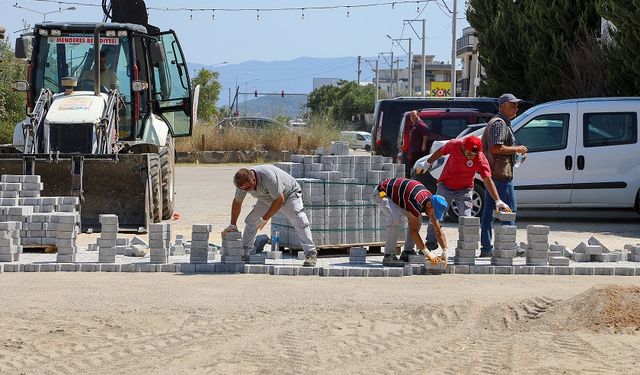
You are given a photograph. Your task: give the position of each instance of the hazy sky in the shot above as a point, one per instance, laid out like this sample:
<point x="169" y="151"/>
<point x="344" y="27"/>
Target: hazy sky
<point x="278" y="35"/>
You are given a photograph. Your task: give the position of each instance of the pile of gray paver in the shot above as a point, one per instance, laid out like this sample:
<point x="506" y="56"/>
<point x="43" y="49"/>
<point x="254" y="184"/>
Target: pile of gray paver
<point x="537" y="251"/>
<point x="232" y="250"/>
<point x="108" y="236"/>
<point x="594" y="251"/>
<point x="504" y="245"/>
<point x="200" y="243"/>
<point x="468" y="240"/>
<point x="10" y="247"/>
<point x="67" y="225"/>
<point x="159" y="242"/>
<point x="336" y="190"/>
<point x="357" y="255"/>
<point x="178" y="247"/>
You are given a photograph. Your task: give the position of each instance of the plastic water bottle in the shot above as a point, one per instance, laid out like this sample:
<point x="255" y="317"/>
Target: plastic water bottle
<point x="519" y="158"/>
<point x="275" y="238"/>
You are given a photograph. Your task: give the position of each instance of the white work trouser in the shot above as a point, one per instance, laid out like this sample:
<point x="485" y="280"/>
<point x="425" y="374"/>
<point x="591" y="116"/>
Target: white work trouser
<point x="394" y="213"/>
<point x="294" y="210"/>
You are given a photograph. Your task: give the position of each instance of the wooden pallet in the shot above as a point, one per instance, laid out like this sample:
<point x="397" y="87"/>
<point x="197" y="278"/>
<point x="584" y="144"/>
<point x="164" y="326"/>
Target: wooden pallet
<point x="30" y="248"/>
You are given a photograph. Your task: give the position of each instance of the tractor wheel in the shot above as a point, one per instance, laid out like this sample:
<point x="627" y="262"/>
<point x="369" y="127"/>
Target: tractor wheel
<point x="167" y="166"/>
<point x="156" y="188"/>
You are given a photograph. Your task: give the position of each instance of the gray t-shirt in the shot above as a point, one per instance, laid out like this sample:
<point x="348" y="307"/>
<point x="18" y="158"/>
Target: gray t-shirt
<point x="270" y="182"/>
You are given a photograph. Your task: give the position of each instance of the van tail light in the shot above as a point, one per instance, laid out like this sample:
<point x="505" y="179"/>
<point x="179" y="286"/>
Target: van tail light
<point x="379" y="131"/>
<point x="29" y="99"/>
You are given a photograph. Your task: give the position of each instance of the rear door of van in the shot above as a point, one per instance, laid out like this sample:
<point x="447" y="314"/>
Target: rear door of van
<point x="607" y="167"/>
<point x="545" y="178"/>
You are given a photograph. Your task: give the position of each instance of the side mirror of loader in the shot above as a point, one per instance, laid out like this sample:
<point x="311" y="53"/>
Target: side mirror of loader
<point x="138" y="86"/>
<point x="21" y="48"/>
<point x="20" y="86"/>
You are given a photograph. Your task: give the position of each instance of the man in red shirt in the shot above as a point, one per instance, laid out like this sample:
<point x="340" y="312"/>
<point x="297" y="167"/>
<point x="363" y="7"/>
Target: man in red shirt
<point x="402" y="196"/>
<point x="456" y="181"/>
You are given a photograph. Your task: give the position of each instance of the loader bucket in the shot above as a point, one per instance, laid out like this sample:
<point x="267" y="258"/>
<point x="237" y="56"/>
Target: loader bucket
<point x="105" y="184"/>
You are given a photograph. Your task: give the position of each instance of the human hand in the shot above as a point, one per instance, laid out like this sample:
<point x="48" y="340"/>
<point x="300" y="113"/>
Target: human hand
<point x="424" y="148"/>
<point x="261" y="223"/>
<point x="230" y="228"/>
<point x="423" y="167"/>
<point x="432" y="258"/>
<point x="399" y="158"/>
<point x="501" y="206"/>
<point x="522" y="149"/>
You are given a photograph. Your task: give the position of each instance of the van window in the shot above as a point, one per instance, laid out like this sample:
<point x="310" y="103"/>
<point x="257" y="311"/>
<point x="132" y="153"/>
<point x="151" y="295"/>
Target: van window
<point x="451" y="127"/>
<point x="545" y="133"/>
<point x="359" y="137"/>
<point x="606" y="129"/>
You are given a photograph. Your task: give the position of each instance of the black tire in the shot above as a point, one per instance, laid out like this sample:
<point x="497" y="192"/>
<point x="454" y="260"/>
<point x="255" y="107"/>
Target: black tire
<point x="367" y="147"/>
<point x="167" y="167"/>
<point x="156" y="189"/>
<point x="478" y="203"/>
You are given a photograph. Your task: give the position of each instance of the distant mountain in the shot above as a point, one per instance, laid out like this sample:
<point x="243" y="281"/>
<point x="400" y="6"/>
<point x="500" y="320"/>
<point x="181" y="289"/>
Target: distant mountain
<point x="294" y="76"/>
<point x="272" y="106"/>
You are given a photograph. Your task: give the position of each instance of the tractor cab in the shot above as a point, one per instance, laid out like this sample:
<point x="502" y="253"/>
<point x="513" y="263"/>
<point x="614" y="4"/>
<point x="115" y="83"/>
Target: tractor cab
<point x="147" y="73"/>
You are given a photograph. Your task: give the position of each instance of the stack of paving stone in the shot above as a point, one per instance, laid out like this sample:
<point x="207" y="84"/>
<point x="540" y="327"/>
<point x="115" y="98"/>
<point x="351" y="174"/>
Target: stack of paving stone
<point x="67" y="229"/>
<point x="504" y="245"/>
<point x="634" y="252"/>
<point x="10" y="247"/>
<point x="159" y="239"/>
<point x="335" y="191"/>
<point x="468" y="239"/>
<point x="537" y="251"/>
<point x="595" y="251"/>
<point x="178" y="247"/>
<point x="339" y="148"/>
<point x="557" y="254"/>
<point x="121" y="245"/>
<point x="358" y="255"/>
<point x="108" y="236"/>
<point x="232" y="250"/>
<point x="200" y="243"/>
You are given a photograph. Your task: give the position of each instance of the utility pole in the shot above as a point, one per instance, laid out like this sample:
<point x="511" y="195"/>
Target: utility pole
<point x="377" y="81"/>
<point x="424" y="51"/>
<point x="359" y="58"/>
<point x="410" y="70"/>
<point x="392" y="90"/>
<point x="397" y="75"/>
<point x="453" y="48"/>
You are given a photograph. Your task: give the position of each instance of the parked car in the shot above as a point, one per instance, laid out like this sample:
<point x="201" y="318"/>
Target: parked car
<point x="389" y="113"/>
<point x="357" y="139"/>
<point x="250" y="123"/>
<point x="582" y="154"/>
<point x="443" y="123"/>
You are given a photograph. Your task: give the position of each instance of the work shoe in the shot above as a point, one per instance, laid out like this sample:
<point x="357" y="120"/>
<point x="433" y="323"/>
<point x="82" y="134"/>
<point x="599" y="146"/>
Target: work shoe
<point x="310" y="261"/>
<point x="485" y="254"/>
<point x="405" y="255"/>
<point x="390" y="260"/>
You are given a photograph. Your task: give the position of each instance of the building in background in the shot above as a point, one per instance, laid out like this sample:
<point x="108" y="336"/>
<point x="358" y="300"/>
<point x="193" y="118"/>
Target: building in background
<point x="467" y="51"/>
<point x="437" y="73"/>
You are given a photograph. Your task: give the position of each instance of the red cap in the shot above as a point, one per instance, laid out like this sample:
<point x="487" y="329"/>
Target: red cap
<point x="473" y="144"/>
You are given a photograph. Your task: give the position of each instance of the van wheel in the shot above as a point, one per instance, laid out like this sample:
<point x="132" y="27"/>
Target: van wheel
<point x="367" y="147"/>
<point x="477" y="196"/>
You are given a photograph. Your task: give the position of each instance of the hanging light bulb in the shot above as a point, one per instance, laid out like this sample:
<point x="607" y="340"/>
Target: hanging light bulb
<point x="348" y="12"/>
<point x="393" y="5"/>
<point x="213" y="15"/>
<point x="302" y="13"/>
<point x="190" y="14"/>
<point x="418" y="9"/>
<point x="257" y="14"/>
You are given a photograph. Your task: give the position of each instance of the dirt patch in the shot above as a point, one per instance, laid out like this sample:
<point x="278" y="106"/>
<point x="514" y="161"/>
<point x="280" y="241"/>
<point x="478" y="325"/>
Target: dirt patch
<point x="610" y="308"/>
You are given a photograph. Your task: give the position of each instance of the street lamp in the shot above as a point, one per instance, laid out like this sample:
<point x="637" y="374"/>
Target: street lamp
<point x="397" y="40"/>
<point x="44" y="14"/>
<point x="217" y="64"/>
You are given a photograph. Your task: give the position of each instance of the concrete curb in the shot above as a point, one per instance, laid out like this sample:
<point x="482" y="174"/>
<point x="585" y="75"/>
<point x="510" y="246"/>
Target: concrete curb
<point x="340" y="271"/>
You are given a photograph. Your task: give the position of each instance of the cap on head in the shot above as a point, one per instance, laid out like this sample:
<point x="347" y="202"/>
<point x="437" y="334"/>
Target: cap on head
<point x="508" y="98"/>
<point x="439" y="205"/>
<point x="472" y="143"/>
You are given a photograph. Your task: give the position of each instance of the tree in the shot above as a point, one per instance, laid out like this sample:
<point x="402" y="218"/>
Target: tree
<point x="622" y="53"/>
<point x="209" y="93"/>
<point x="12" y="104"/>
<point x="526" y="46"/>
<point x="344" y="101"/>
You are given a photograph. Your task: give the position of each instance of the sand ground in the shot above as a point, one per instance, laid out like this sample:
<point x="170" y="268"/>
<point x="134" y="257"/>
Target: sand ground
<point x="248" y="324"/>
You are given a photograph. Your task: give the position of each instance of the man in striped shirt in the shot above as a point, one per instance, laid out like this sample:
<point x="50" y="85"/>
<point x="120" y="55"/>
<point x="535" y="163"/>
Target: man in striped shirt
<point x="402" y="196"/>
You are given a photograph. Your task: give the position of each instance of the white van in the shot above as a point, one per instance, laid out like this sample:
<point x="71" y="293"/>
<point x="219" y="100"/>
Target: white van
<point x="583" y="153"/>
<point x="356" y="139"/>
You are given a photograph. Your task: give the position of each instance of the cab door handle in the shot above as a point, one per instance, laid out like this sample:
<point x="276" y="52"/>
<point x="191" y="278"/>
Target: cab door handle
<point x="580" y="162"/>
<point x="568" y="162"/>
